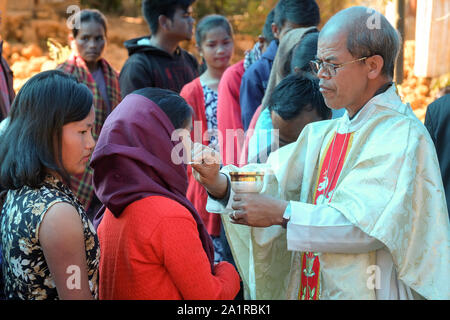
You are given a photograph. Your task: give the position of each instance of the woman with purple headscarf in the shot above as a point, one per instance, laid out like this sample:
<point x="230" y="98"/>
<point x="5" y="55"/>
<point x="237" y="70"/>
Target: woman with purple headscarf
<point x="153" y="242"/>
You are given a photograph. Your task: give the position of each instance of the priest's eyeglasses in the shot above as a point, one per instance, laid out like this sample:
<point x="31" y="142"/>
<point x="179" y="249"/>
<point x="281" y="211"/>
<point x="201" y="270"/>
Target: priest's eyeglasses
<point x="329" y="68"/>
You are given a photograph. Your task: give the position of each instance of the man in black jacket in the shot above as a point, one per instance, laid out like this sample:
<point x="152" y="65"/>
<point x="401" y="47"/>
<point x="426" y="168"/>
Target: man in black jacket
<point x="158" y="61"/>
<point x="437" y="121"/>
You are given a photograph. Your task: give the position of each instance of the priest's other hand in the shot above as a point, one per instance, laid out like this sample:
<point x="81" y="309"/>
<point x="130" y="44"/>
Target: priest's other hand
<point x="257" y="210"/>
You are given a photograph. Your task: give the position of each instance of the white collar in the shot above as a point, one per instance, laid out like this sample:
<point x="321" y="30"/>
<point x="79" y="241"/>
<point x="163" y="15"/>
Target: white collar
<point x="388" y="99"/>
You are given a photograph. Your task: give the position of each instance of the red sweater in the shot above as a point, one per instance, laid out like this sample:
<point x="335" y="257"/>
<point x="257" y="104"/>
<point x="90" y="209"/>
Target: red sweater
<point x="153" y="251"/>
<point x="229" y="113"/>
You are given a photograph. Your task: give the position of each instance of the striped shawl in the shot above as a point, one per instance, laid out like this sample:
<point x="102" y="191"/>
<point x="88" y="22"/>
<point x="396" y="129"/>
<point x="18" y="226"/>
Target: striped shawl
<point x="76" y="66"/>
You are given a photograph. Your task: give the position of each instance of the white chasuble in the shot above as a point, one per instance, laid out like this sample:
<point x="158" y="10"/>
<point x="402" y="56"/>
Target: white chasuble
<point x="380" y="230"/>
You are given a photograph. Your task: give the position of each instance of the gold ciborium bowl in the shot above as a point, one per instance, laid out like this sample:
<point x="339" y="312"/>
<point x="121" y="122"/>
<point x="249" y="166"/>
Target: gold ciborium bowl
<point x="247" y="182"/>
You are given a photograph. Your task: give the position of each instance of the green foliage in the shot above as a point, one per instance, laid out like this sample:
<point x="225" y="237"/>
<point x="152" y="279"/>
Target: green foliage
<point x="104" y="6"/>
<point x="440" y="82"/>
<point x="129" y="7"/>
<point x="247" y="17"/>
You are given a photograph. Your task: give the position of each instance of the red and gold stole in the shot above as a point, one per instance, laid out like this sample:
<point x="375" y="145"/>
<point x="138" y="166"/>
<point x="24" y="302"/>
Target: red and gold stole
<point x="330" y="168"/>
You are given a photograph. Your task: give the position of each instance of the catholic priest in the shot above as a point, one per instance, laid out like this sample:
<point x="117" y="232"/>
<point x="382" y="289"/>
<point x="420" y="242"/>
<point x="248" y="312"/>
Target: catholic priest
<point x="361" y="197"/>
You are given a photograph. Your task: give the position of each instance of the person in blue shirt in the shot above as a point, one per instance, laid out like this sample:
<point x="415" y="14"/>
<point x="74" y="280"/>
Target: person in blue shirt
<point x="287" y="15"/>
<point x="256" y="76"/>
<point x="295" y="102"/>
<point x="297" y="63"/>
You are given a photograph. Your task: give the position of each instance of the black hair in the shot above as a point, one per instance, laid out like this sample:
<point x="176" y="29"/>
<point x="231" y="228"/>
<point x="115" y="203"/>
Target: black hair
<point x="152" y="9"/>
<point x="304" y="52"/>
<point x="295" y="93"/>
<point x="305" y="13"/>
<point x="267" y="28"/>
<point x="88" y="15"/>
<point x="173" y="105"/>
<point x="32" y="141"/>
<point x="210" y="22"/>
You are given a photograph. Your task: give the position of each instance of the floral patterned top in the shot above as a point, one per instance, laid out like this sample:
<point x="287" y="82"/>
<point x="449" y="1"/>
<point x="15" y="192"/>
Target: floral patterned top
<point x="211" y="99"/>
<point x="25" y="273"/>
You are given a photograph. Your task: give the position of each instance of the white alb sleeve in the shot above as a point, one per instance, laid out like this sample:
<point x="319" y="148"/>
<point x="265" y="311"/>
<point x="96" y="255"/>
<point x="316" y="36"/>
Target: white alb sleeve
<point x="321" y="228"/>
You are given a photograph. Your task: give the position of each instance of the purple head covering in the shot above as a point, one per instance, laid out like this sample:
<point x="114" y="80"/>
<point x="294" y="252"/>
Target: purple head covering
<point x="132" y="160"/>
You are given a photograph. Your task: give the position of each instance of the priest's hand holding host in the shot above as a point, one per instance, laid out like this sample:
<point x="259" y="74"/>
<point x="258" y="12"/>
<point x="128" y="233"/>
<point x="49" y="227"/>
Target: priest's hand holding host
<point x="252" y="209"/>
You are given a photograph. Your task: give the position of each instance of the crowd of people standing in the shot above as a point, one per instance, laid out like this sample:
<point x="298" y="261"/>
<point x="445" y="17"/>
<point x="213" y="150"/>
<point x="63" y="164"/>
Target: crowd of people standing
<point x="90" y="189"/>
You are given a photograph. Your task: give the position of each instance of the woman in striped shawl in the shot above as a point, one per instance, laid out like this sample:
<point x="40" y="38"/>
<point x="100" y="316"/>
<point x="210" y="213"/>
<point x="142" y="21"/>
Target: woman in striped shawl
<point x="88" y="41"/>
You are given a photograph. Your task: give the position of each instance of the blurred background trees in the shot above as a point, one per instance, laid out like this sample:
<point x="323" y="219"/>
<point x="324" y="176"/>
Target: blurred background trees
<point x="27" y="26"/>
<point x="247" y="17"/>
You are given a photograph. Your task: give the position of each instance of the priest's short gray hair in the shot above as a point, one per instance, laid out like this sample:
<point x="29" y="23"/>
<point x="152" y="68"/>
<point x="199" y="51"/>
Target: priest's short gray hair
<point x="369" y="33"/>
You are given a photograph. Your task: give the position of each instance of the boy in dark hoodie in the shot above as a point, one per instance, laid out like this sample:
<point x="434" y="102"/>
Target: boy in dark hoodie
<point x="158" y="61"/>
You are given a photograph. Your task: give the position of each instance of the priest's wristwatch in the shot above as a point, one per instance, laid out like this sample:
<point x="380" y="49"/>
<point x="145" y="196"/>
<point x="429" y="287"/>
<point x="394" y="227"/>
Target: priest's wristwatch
<point x="286" y="215"/>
